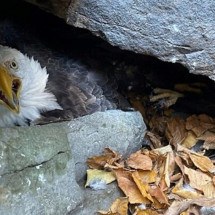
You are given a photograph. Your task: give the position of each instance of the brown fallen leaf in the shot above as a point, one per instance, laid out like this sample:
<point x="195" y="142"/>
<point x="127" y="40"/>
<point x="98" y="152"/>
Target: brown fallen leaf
<point x="209" y="140"/>
<point x="157" y="124"/>
<point x="143" y="187"/>
<point x="145" y="212"/>
<point x="119" y="207"/>
<point x="185" y="191"/>
<point x="197" y="178"/>
<point x="193" y="209"/>
<point x="147" y="176"/>
<point x="176" y="131"/>
<point x="213" y="179"/>
<point x="155" y="139"/>
<point x="179" y="163"/>
<point x="202" y="162"/>
<point x="128" y="186"/>
<point x="175" y="177"/>
<point x="158" y="194"/>
<point x="190" y="140"/>
<point x="179" y="206"/>
<point x="138" y="160"/>
<point x="98" y="162"/>
<point x="209" y="190"/>
<point x="199" y="124"/>
<point x="137" y="104"/>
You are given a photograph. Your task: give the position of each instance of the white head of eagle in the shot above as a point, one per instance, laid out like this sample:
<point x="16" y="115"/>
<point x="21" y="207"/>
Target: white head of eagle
<point x="23" y="93"/>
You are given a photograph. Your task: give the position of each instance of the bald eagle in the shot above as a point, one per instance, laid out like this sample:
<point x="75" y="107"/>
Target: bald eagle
<point x="28" y="94"/>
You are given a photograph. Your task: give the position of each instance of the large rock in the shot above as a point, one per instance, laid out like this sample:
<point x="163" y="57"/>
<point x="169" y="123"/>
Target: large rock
<point x="114" y="129"/>
<point x="39" y="166"/>
<point x="175" y="31"/>
<point x="37" y="171"/>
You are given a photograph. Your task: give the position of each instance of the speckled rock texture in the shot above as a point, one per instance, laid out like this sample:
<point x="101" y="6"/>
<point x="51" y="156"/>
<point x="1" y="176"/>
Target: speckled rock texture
<point x="175" y="31"/>
<point x="42" y="168"/>
<point x="37" y="171"/>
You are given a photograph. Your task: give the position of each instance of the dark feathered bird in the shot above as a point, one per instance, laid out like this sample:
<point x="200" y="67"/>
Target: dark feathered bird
<point x="41" y="85"/>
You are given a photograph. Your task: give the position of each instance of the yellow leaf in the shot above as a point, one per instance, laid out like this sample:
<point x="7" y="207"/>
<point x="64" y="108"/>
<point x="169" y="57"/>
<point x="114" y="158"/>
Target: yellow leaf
<point x="190" y="140"/>
<point x="202" y="162"/>
<point x="143" y="187"/>
<point x="128" y="186"/>
<point x="147" y="176"/>
<point x="119" y="207"/>
<point x="209" y="190"/>
<point x="145" y="212"/>
<point x="96" y="177"/>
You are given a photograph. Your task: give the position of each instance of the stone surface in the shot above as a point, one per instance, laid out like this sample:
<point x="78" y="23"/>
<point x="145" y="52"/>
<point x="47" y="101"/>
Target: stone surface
<point x="39" y="165"/>
<point x="37" y="171"/>
<point x="175" y="31"/>
<point x="115" y="129"/>
<point x="95" y="200"/>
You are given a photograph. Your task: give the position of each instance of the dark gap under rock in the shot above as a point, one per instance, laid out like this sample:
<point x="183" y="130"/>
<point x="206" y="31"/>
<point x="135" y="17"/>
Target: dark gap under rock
<point x="133" y="71"/>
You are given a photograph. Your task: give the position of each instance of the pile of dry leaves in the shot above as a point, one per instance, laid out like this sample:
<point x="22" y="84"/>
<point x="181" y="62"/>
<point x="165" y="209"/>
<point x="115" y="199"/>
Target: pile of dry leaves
<point x="171" y="176"/>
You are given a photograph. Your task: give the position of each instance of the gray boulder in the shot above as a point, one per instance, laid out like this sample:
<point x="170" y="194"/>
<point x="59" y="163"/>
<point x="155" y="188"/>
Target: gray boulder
<point x="39" y="166"/>
<point x="117" y="130"/>
<point x="177" y="31"/>
<point x="37" y="171"/>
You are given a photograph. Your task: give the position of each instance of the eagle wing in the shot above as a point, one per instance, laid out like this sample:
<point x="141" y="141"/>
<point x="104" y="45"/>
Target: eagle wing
<point x="79" y="89"/>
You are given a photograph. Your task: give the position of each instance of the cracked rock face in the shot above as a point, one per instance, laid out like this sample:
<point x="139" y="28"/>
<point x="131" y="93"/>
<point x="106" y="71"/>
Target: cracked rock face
<point x="175" y="31"/>
<point x="35" y="164"/>
<point x="41" y="165"/>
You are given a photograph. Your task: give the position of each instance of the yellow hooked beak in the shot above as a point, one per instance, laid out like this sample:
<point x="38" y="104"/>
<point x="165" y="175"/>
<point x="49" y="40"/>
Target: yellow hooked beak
<point x="10" y="87"/>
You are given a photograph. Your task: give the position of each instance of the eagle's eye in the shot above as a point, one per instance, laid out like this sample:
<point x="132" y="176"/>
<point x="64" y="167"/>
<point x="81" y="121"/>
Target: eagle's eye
<point x="13" y="65"/>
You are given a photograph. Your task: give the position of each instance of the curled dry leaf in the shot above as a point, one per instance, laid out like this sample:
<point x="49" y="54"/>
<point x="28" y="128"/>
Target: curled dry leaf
<point x="176" y="131"/>
<point x="139" y="161"/>
<point x="158" y="124"/>
<point x="145" y="212"/>
<point x="143" y="187"/>
<point x="147" y="176"/>
<point x="158" y="194"/>
<point x="179" y="206"/>
<point x="185" y="191"/>
<point x="209" y="140"/>
<point x="199" y="124"/>
<point x="190" y="140"/>
<point x="128" y="186"/>
<point x="197" y="179"/>
<point x="98" y="162"/>
<point x="169" y="167"/>
<point x="119" y="207"/>
<point x="202" y="162"/>
<point x="155" y="139"/>
<point x="209" y="190"/>
<point x="179" y="163"/>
